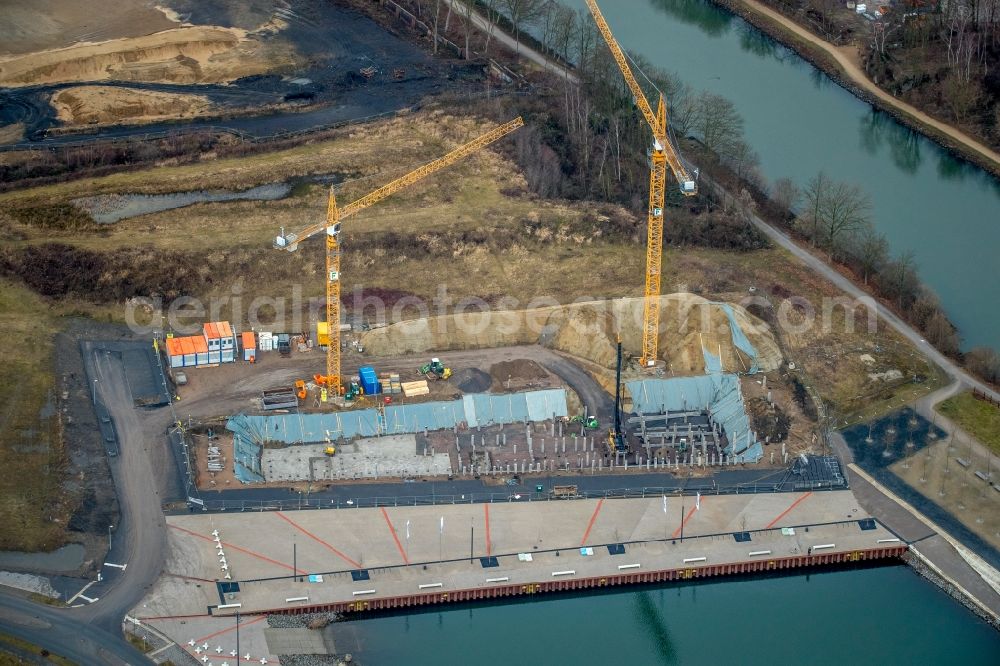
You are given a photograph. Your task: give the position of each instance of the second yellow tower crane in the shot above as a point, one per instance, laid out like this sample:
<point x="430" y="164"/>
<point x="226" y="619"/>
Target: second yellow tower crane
<point x="664" y="154"/>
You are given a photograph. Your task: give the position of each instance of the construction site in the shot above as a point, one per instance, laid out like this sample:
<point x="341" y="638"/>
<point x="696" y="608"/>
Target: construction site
<point x="678" y="404"/>
<point x="407" y="378"/>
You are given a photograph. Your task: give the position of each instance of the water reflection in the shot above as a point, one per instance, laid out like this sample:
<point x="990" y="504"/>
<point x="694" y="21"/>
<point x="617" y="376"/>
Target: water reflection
<point x="759" y="44"/>
<point x="706" y="16"/>
<point x="650" y="619"/>
<point x="878" y="128"/>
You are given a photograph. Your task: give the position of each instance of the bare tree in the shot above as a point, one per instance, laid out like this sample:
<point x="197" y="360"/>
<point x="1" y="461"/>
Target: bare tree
<point x="743" y="159"/>
<point x="521" y="13"/>
<point x="942" y="334"/>
<point x="847" y="209"/>
<point x="437" y="16"/>
<point x="899" y="280"/>
<point x="786" y="194"/>
<point x="492" y="8"/>
<point x="564" y="31"/>
<point x="984" y="362"/>
<point x="816" y="193"/>
<point x="870" y="251"/>
<point x="718" y="124"/>
<point x="467" y="21"/>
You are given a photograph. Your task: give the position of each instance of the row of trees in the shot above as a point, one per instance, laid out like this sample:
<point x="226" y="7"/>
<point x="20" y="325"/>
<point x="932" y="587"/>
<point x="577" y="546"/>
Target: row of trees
<point x="836" y="217"/>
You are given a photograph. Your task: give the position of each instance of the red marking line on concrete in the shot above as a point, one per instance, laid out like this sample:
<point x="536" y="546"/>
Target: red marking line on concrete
<point x="395" y="537"/>
<point x="486" y="508"/>
<point x="242" y="550"/>
<point x="318" y="540"/>
<point x="593" y="517"/>
<point x="785" y="512"/>
<point x="228" y="629"/>
<point x="685" y="521"/>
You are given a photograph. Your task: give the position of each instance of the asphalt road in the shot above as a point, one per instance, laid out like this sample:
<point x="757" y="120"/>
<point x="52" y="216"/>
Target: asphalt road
<point x="64" y="633"/>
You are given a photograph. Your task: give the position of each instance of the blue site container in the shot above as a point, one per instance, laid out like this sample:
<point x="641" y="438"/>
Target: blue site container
<point x="369" y="380"/>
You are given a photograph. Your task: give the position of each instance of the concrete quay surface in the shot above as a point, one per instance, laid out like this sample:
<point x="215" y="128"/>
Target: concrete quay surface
<point x="406" y="551"/>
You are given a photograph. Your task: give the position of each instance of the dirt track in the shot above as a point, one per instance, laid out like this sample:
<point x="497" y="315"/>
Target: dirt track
<point x="850" y="68"/>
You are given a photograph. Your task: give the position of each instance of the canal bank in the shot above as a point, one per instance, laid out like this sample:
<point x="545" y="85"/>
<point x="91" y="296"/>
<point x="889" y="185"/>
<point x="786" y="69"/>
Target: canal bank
<point x="940" y="210"/>
<point x="822" y="55"/>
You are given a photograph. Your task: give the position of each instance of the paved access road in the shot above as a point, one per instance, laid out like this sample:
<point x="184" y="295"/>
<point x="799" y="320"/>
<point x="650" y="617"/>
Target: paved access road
<point x="65" y="633"/>
<point x="92" y="633"/>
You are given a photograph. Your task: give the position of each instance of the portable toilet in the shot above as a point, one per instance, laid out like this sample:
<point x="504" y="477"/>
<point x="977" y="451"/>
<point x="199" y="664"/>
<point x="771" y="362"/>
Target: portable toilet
<point x="249" y="346"/>
<point x="369" y="380"/>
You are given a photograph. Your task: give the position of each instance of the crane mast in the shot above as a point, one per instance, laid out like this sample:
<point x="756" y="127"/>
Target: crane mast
<point x="664" y="154"/>
<point x="332" y="225"/>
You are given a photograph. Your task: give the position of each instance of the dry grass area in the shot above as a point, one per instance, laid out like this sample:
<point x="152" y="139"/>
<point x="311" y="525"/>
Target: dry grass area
<point x="95" y="105"/>
<point x="33" y="510"/>
<point x="381" y="151"/>
<point x="472" y="231"/>
<point x="852" y="366"/>
<point x="935" y="473"/>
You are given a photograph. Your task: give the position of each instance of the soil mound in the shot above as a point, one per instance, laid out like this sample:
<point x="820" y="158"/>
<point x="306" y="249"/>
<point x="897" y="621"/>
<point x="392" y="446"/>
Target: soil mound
<point x="689" y="324"/>
<point x="471" y="380"/>
<point x="87" y="105"/>
<point x="517" y="370"/>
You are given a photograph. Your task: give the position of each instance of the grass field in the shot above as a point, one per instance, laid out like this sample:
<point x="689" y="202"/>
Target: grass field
<point x="33" y="509"/>
<point x="979" y="419"/>
<point x="12" y="649"/>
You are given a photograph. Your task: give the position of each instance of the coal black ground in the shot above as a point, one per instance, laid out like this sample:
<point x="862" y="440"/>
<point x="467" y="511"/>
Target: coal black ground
<point x="88" y="475"/>
<point x="471" y="380"/>
<point x="335" y="41"/>
<point x="894" y="437"/>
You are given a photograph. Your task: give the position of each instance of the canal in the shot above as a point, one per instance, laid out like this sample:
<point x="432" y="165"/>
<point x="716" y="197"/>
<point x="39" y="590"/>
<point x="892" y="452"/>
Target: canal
<point x="945" y="211"/>
<point x="884" y="615"/>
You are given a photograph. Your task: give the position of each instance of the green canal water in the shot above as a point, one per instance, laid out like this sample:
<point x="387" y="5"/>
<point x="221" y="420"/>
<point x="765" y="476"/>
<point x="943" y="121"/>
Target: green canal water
<point x="879" y="616"/>
<point x="944" y="211"/>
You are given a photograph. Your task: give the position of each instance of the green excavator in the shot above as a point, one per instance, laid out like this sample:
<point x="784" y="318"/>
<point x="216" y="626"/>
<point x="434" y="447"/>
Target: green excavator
<point x="435" y="370"/>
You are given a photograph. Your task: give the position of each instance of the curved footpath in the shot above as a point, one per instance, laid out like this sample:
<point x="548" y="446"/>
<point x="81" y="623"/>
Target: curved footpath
<point x="860" y="79"/>
<point x="514" y="45"/>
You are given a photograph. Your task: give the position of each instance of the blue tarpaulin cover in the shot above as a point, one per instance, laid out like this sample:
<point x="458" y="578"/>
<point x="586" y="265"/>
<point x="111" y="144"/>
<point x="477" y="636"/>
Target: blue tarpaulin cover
<point x="471" y="410"/>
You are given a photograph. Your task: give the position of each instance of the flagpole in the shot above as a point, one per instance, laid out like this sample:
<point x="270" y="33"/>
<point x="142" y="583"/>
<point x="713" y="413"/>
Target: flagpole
<point x="666" y="523"/>
<point x="682" y="516"/>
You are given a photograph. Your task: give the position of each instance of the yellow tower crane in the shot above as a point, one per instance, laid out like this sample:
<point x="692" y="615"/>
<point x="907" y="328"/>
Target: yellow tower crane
<point x="335" y="215"/>
<point x="664" y="154"/>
